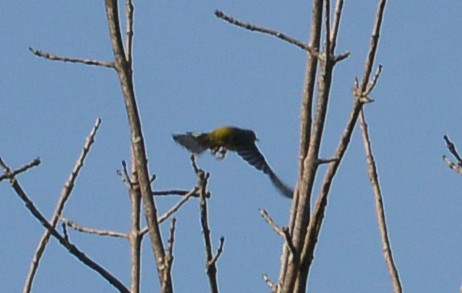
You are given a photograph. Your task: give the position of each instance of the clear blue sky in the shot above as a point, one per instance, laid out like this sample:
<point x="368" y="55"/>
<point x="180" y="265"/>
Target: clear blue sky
<point x="195" y="72"/>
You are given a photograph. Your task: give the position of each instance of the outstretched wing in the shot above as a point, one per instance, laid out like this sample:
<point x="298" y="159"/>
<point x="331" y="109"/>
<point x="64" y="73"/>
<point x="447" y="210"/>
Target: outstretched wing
<point x="190" y="142"/>
<point x="254" y="157"/>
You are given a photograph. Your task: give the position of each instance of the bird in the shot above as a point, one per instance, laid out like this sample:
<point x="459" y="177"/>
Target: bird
<point x="242" y="141"/>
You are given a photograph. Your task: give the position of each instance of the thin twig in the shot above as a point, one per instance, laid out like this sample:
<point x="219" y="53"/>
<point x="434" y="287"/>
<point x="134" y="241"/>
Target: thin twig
<point x="65" y="194"/>
<point x="271" y="222"/>
<point x="452" y="165"/>
<point x="173" y="192"/>
<point x="177" y="206"/>
<point x="251" y="27"/>
<point x="89" y="230"/>
<point x="290" y="244"/>
<point x="219" y="251"/>
<point x="54" y="57"/>
<point x="271" y="285"/>
<point x="380" y="210"/>
<point x="22" y="169"/>
<point x="61" y="239"/>
<point x="452" y="148"/>
<point x="174" y="208"/>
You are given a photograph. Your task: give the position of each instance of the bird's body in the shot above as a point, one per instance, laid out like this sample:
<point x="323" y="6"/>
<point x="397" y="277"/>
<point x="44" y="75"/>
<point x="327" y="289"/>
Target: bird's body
<point x="235" y="139"/>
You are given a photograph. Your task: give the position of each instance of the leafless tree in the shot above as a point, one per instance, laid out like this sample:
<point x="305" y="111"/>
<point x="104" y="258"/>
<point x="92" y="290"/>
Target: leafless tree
<point x="301" y="234"/>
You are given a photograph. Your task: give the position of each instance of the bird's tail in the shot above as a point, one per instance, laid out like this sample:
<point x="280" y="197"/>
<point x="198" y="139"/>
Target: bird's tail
<point x="191" y="142"/>
<point x="283" y="188"/>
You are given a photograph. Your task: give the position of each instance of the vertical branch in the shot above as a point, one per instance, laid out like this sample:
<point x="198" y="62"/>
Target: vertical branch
<point x="124" y="71"/>
<point x="373" y="177"/>
<point x="301" y="199"/>
<point x="65" y="194"/>
<point x="135" y="237"/>
<point x="210" y="264"/>
<point x="363" y="91"/>
<point x="360" y="99"/>
<point x="295" y="276"/>
<point x="129" y="10"/>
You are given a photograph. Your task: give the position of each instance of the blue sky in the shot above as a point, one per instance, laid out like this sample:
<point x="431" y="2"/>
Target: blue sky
<point x="196" y="72"/>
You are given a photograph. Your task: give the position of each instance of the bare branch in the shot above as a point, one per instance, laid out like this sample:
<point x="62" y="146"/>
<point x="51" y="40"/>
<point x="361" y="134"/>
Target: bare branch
<point x="373" y="177"/>
<point x="124" y="175"/>
<point x="290" y="245"/>
<point x="271" y="285"/>
<point x="271" y="222"/>
<point x="336" y="24"/>
<point x="129" y="9"/>
<point x="88" y="230"/>
<point x="452" y="148"/>
<point x="177" y="206"/>
<point x="22" y="169"/>
<point x="210" y="263"/>
<point x="251" y="27"/>
<point x="453" y="166"/>
<point x="124" y="70"/>
<point x="373" y="82"/>
<point x="61" y="239"/>
<point x="171" y="240"/>
<point x="54" y="57"/>
<point x="65" y="194"/>
<point x="173" y="192"/>
<point x="219" y="251"/>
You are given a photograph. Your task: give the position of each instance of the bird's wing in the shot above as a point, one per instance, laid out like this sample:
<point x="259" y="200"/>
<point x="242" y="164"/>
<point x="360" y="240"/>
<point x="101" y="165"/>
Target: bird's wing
<point x="254" y="157"/>
<point x="190" y="142"/>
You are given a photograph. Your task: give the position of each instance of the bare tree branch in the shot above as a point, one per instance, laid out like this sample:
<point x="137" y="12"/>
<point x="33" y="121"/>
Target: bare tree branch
<point x="271" y="222"/>
<point x="300" y="211"/>
<point x="171" y="240"/>
<point x="452" y="149"/>
<point x="22" y="169"/>
<point x="210" y="259"/>
<point x="65" y="194"/>
<point x="177" y="206"/>
<point x="89" y="230"/>
<point x="380" y="210"/>
<point x="270" y="283"/>
<point x="251" y="27"/>
<point x="123" y="68"/>
<point x="61" y="239"/>
<point x="54" y="57"/>
<point x="174" y="192"/>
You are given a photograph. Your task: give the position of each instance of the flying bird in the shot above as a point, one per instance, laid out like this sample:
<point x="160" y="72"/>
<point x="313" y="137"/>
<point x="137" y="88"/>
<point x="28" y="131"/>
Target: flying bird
<point x="234" y="139"/>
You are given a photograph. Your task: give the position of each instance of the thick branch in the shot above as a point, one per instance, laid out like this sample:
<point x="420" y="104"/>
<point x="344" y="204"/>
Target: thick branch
<point x="124" y="71"/>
